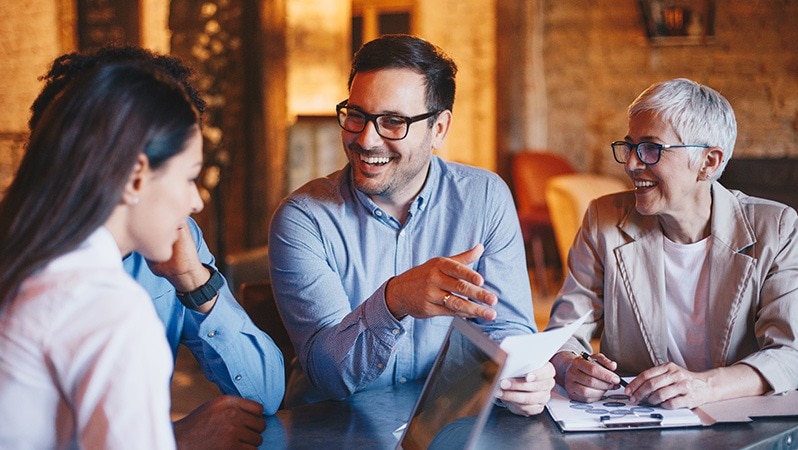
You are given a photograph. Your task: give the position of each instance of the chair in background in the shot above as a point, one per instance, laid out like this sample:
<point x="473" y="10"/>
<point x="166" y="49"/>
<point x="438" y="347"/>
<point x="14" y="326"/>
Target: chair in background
<point x="257" y="299"/>
<point x="531" y="170"/>
<point x="247" y="266"/>
<point x="567" y="197"/>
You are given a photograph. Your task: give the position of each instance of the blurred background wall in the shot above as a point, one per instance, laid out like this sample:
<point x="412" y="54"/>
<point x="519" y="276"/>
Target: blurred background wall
<point x="534" y="74"/>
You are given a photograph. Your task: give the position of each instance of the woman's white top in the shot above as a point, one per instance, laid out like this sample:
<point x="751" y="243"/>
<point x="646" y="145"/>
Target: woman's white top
<point x="687" y="270"/>
<point x="83" y="358"/>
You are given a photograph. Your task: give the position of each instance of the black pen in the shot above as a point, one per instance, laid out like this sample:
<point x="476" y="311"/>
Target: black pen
<point x="594" y="360"/>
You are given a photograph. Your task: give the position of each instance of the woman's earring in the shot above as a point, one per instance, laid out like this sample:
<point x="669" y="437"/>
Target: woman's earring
<point x="134" y="201"/>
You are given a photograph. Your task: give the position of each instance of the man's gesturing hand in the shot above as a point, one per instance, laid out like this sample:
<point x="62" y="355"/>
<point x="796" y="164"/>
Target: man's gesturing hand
<point x="442" y="287"/>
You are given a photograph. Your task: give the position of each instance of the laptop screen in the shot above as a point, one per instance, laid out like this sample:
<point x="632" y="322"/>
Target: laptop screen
<point x="458" y="393"/>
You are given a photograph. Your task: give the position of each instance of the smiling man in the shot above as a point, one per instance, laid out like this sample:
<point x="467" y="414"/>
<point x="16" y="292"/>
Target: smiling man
<point x="370" y="263"/>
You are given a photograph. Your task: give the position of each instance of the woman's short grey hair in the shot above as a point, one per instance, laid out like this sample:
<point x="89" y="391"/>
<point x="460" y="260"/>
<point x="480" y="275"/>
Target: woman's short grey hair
<point x="697" y="113"/>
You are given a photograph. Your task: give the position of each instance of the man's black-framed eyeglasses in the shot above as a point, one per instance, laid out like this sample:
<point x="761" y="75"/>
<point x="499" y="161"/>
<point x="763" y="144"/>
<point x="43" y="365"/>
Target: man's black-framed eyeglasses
<point x="390" y="126"/>
<point x="648" y="152"/>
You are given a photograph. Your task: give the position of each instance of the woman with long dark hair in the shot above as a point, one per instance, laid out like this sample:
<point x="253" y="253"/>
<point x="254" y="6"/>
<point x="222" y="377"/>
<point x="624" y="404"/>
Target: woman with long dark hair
<point x="110" y="169"/>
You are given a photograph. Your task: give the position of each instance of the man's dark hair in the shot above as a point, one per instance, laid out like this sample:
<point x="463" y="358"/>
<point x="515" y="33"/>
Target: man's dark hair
<point x="71" y="65"/>
<point x="401" y="51"/>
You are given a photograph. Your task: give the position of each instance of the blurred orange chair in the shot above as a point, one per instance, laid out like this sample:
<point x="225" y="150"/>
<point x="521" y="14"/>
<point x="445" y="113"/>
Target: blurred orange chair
<point x="568" y="197"/>
<point x="531" y="170"/>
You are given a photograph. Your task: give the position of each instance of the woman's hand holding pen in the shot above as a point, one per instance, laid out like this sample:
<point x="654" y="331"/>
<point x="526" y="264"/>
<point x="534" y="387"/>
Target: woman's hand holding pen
<point x="585" y="380"/>
<point x="587" y="357"/>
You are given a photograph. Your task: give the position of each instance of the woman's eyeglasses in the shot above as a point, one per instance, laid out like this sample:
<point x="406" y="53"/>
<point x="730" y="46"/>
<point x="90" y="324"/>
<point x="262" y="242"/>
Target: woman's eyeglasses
<point x="647" y="152"/>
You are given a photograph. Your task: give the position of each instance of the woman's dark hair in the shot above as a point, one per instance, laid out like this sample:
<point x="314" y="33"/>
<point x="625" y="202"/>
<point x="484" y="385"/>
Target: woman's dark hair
<point x="402" y="51"/>
<point x="69" y="66"/>
<point x="80" y="157"/>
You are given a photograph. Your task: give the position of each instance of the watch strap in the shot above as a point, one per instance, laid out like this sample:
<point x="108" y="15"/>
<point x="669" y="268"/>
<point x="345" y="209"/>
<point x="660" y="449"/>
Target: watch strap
<point x="204" y="293"/>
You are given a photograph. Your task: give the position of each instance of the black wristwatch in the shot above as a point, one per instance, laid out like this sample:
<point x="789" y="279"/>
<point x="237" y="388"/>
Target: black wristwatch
<point x="204" y="293"/>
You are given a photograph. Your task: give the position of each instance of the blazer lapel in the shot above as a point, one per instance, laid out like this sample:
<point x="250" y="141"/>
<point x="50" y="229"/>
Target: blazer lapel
<point x="640" y="264"/>
<point x="731" y="234"/>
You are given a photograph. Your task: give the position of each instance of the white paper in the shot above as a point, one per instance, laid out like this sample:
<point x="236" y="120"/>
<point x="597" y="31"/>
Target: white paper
<point x="571" y="415"/>
<point x="528" y="352"/>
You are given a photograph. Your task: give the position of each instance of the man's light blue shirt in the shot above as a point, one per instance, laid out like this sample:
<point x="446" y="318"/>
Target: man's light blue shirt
<point x="234" y="354"/>
<point x="332" y="251"/>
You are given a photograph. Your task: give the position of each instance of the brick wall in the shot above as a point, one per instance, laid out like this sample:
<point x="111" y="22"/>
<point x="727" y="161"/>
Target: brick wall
<point x="466" y="30"/>
<point x="28" y="42"/>
<point x="597" y="61"/>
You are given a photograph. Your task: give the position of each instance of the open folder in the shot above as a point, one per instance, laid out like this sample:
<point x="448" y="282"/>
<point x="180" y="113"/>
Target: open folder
<point x="615" y="412"/>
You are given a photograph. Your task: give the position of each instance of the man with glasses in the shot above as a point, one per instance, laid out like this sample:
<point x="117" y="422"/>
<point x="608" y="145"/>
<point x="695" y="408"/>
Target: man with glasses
<point x="693" y="288"/>
<point x="370" y="263"/>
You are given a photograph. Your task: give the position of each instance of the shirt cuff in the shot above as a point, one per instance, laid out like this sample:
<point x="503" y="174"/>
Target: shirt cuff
<point x="380" y="320"/>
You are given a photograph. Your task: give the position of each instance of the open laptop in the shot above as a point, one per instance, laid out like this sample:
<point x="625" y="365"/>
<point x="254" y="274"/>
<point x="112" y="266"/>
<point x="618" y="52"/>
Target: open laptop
<point x="458" y="394"/>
